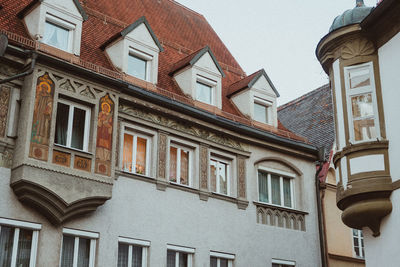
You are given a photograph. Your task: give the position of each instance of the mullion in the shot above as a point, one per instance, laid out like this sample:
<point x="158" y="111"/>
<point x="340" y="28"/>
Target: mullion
<point x="70" y="122"/>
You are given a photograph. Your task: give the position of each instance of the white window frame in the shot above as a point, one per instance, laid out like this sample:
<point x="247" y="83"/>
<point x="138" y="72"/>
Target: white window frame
<point x="135" y="242"/>
<point x="173" y="143"/>
<point x="268" y="107"/>
<point x="281" y="174"/>
<point x="360" y="91"/>
<point x="144" y="56"/>
<point x="359" y="237"/>
<point x="17" y="225"/>
<point x="77" y="234"/>
<point x="72" y="106"/>
<point x="228" y="164"/>
<point x="65" y="25"/>
<point x="148" y="145"/>
<point x="284" y="262"/>
<point x="178" y="249"/>
<point x="220" y="255"/>
<point x="212" y="84"/>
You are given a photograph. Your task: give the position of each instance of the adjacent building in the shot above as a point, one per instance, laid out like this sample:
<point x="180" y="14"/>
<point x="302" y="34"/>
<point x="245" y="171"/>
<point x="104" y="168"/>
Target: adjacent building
<point x="361" y="55"/>
<point x="130" y="136"/>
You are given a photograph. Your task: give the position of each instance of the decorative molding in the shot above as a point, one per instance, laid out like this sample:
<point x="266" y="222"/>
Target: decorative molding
<point x="357" y="47"/>
<point x="203" y="167"/>
<point x="241" y="171"/>
<point x="162" y="154"/>
<point x="67" y="86"/>
<point x="6" y="157"/>
<point x="4" y="106"/>
<point x="180" y="126"/>
<point x="88" y="93"/>
<point x="280" y="217"/>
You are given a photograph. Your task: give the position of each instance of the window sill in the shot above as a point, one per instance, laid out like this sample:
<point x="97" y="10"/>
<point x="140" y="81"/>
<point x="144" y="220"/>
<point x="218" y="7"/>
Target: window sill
<point x="183" y="187"/>
<point x="69" y="149"/>
<point x="223" y="197"/>
<point x="136" y="176"/>
<point x="281" y="208"/>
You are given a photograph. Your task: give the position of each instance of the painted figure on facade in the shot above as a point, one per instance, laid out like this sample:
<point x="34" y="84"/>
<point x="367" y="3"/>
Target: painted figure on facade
<point x="104" y="135"/>
<point x="4" y="101"/>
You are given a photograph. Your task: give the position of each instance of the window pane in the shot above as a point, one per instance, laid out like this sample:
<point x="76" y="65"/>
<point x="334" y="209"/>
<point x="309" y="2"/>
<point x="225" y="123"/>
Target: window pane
<point x="204" y="93"/>
<point x="78" y="128"/>
<point x="362" y="106"/>
<point x="6" y="245"/>
<point x="173" y="152"/>
<point x="56" y="36"/>
<point x="213" y="175"/>
<point x="183" y="259"/>
<point x="184" y="167"/>
<point x="127" y="154"/>
<point x="275" y="188"/>
<point x="137" y="256"/>
<point x="359" y="78"/>
<point x="137" y="67"/>
<point x="223" y="262"/>
<point x="287" y="195"/>
<point x="223" y="179"/>
<point x="61" y="124"/>
<point x="67" y="256"/>
<point x="123" y="251"/>
<point x="141" y="156"/>
<point x="213" y="262"/>
<point x="171" y="258"/>
<point x="260" y="113"/>
<point x="24" y="247"/>
<point x="83" y="252"/>
<point x="263" y="187"/>
<point x="364" y="129"/>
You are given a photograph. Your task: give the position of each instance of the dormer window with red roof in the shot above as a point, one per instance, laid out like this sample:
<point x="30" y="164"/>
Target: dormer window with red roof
<point x="56" y="23"/>
<point x="135" y="51"/>
<point x="199" y="76"/>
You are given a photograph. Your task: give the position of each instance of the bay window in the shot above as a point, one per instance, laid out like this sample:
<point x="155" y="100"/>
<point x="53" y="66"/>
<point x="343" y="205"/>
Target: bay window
<point x="179" y="256"/>
<point x="220" y="175"/>
<point x="132" y="252"/>
<point x="275" y="188"/>
<point x="58" y="33"/>
<point x="180" y="164"/>
<point x="18" y="243"/>
<point x="136" y="153"/>
<point x="361" y="102"/>
<point x="78" y="248"/>
<point x="72" y="125"/>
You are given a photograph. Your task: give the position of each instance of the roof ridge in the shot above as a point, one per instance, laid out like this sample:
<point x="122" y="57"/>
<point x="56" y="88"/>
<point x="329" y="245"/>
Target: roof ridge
<point x="300" y="98"/>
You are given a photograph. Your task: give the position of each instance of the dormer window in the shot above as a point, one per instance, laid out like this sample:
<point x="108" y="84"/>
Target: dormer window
<point x="58" y="33"/>
<point x="135" y="50"/>
<point x="138" y="63"/>
<point x="199" y="76"/>
<point x="56" y="23"/>
<point x="205" y="90"/>
<point x="262" y="110"/>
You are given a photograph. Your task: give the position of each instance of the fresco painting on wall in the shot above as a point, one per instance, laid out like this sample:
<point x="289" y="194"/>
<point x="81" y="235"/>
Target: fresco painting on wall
<point x="4" y="100"/>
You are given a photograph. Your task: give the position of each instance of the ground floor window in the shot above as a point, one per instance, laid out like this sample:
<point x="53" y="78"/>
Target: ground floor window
<point x="179" y="256"/>
<point x="132" y="252"/>
<point x="282" y="263"/>
<point x="358" y="243"/>
<point x="18" y="243"/>
<point x="218" y="259"/>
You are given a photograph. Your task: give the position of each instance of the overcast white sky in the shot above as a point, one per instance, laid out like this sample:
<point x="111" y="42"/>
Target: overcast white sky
<point x="279" y="36"/>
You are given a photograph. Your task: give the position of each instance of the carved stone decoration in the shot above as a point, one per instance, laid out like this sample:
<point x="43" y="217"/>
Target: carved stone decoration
<point x="61" y="158"/>
<point x="162" y="155"/>
<point x="4" y="101"/>
<point x="88" y="93"/>
<point x="67" y="85"/>
<point x="241" y="170"/>
<point x="82" y="163"/>
<point x="203" y="167"/>
<point x="39" y="148"/>
<point x="358" y="47"/>
<point x="6" y="156"/>
<point x="104" y="136"/>
<point x="276" y="216"/>
<point x="183" y="127"/>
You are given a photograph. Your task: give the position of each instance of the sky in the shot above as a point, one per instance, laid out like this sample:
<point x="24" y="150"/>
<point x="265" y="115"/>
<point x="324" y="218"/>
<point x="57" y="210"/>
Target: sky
<point x="278" y="36"/>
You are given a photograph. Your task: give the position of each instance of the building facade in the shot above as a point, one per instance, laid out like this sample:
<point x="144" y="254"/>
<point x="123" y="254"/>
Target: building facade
<point x="311" y="116"/>
<point x="360" y="54"/>
<point x="130" y="136"/>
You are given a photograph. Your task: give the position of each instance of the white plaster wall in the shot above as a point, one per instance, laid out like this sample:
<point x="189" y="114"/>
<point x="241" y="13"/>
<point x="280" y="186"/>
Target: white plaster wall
<point x="115" y="53"/>
<point x="184" y="79"/>
<point x="138" y="210"/>
<point x="243" y="102"/>
<point x="389" y="64"/>
<point x="207" y="63"/>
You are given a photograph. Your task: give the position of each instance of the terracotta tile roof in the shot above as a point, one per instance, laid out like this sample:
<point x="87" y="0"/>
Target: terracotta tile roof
<point x="311" y="116"/>
<point x="180" y="31"/>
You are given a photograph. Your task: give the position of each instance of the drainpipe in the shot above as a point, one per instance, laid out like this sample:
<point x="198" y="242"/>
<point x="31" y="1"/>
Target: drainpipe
<point x="29" y="71"/>
<point x="322" y="243"/>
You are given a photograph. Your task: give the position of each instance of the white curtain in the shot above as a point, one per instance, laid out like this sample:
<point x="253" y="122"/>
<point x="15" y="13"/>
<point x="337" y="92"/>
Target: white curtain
<point x="24" y="248"/>
<point x="83" y="252"/>
<point x="123" y="250"/>
<point x="263" y="187"/>
<point x="6" y="245"/>
<point x="67" y="257"/>
<point x="171" y="258"/>
<point x="137" y="256"/>
<point x="56" y="36"/>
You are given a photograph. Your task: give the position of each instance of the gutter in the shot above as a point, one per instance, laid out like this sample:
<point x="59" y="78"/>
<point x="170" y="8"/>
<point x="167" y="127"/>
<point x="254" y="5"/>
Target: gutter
<point x="171" y="104"/>
<point x="321" y="228"/>
<point x="29" y="71"/>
